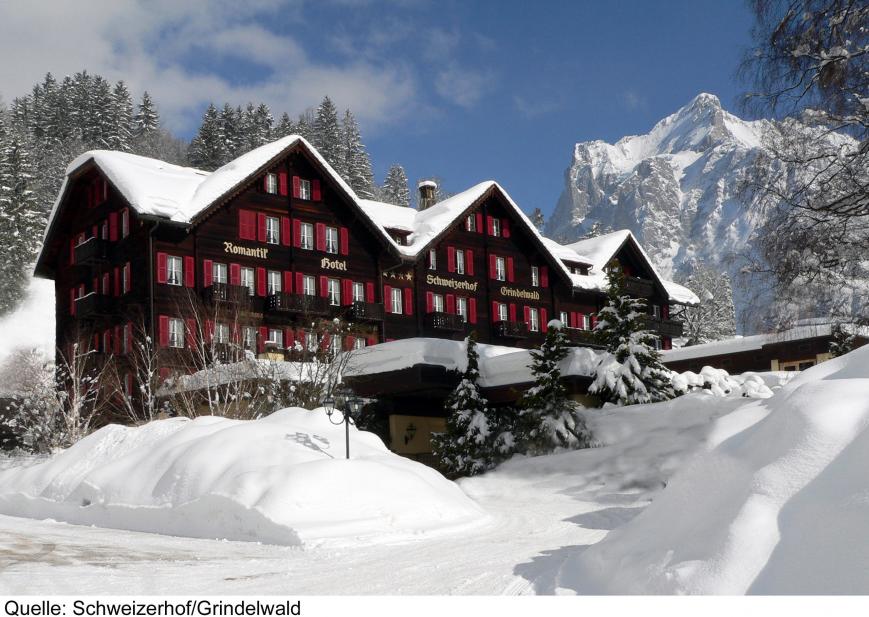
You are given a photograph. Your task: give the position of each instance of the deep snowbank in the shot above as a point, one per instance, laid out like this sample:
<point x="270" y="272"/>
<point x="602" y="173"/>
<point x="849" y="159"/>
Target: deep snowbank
<point x="779" y="503"/>
<point x="282" y="479"/>
<point x="31" y="325"/>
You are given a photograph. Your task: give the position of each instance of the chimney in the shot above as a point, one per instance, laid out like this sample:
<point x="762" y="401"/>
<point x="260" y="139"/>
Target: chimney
<point x="427" y="191"/>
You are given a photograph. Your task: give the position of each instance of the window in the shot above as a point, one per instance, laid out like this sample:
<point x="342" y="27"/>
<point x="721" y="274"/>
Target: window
<point x="274" y="282"/>
<point x="437" y="303"/>
<point x="309" y="286"/>
<point x="460" y="262"/>
<point x="248" y="337"/>
<point x="125" y="343"/>
<point x="273" y="230"/>
<point x="176" y="332"/>
<point x="500" y="270"/>
<point x="462" y="307"/>
<point x="335" y="345"/>
<point x="496" y="227"/>
<point x="276" y="338"/>
<point x="310" y="341"/>
<point x="332" y="240"/>
<point x="396" y="300"/>
<point x="358" y="292"/>
<point x="359" y="343"/>
<point x="107" y="341"/>
<point x="104" y="232"/>
<point x="562" y="317"/>
<point x="432" y="260"/>
<point x="307" y="236"/>
<point x="502" y="311"/>
<point x="399" y="239"/>
<point x="334" y="290"/>
<point x="535" y="276"/>
<point x="656" y="311"/>
<point x="107" y="290"/>
<point x="174" y="270"/>
<point x="125" y="278"/>
<point x="218" y="273"/>
<point x="471" y="223"/>
<point x="304" y="189"/>
<point x="586" y="322"/>
<point x="533" y="320"/>
<point x="272" y="184"/>
<point x="128" y="385"/>
<point x="125" y="223"/>
<point x="248" y="280"/>
<point x="221" y="333"/>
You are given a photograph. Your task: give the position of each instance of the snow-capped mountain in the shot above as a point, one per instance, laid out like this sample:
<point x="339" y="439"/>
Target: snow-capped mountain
<point x="676" y="187"/>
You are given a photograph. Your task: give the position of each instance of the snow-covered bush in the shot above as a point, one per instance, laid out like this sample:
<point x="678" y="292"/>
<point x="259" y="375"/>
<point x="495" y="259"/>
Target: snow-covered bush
<point x="720" y="383"/>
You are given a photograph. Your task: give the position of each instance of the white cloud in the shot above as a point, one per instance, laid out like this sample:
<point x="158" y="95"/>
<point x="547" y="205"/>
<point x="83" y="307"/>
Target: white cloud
<point x="632" y="100"/>
<point x="463" y="86"/>
<point x="532" y="108"/>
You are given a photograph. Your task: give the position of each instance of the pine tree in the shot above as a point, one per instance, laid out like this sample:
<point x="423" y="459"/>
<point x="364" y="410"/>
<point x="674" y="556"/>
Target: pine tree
<point x="327" y="136"/>
<point x="548" y="418"/>
<point x="121" y="137"/>
<point x="538" y="220"/>
<point x="263" y="124"/>
<point x="284" y="127"/>
<point x="468" y="446"/>
<point x="395" y="188"/>
<point x="356" y="162"/>
<point x="147" y="119"/>
<point x="232" y="138"/>
<point x="632" y="371"/>
<point x="842" y="340"/>
<point x="207" y="149"/>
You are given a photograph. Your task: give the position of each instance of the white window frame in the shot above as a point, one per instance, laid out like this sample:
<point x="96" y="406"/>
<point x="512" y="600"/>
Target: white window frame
<point x="460" y="261"/>
<point x="248" y="281"/>
<point x="360" y="342"/>
<point x="219" y="273"/>
<point x="309" y="285"/>
<point x="106" y="284"/>
<point x="564" y="318"/>
<point x="535" y="276"/>
<point x="107" y="341"/>
<point x="304" y="189"/>
<point x="471" y="223"/>
<point x="437" y="303"/>
<point x="272" y="183"/>
<point x="124" y="342"/>
<point x="310" y="341"/>
<point x="104" y="230"/>
<point x="496" y="227"/>
<point x="176" y="333"/>
<point x="124" y="282"/>
<point x="586" y="322"/>
<point x="358" y="292"/>
<point x="273" y="230"/>
<point x="174" y="275"/>
<point x="306" y="239"/>
<point x="397" y="301"/>
<point x="503" y="313"/>
<point x="533" y="319"/>
<point x="221" y="333"/>
<point x="248" y="337"/>
<point x="333" y="291"/>
<point x="274" y="284"/>
<point x="125" y="223"/>
<point x="332" y="240"/>
<point x="432" y="259"/>
<point x="462" y="307"/>
<point x="335" y="344"/>
<point x="500" y="269"/>
<point x="276" y="337"/>
<point x="656" y="311"/>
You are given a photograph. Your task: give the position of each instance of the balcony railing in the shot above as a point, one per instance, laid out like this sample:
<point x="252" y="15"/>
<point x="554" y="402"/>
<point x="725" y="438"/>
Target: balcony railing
<point x="90" y="251"/>
<point x="438" y="320"/>
<point x="94" y="305"/>
<point x="581" y="337"/>
<point x="639" y="288"/>
<point x="365" y="311"/>
<point x="224" y="292"/>
<point x="298" y="303"/>
<point x="663" y="327"/>
<point x="510" y="329"/>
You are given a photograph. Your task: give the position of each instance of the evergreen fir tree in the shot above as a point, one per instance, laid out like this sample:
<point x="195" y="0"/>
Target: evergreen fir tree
<point x="356" y="162"/>
<point x="121" y="137"/>
<point x="538" y="220"/>
<point x="284" y="127"/>
<point x="714" y="318"/>
<point x="395" y="188"/>
<point x="147" y="119"/>
<point x="207" y="149"/>
<point x="263" y="125"/>
<point x="548" y="418"/>
<point x="842" y="341"/>
<point x="232" y="138"/>
<point x="100" y="127"/>
<point x="467" y="447"/>
<point x="327" y="136"/>
<point x="632" y="372"/>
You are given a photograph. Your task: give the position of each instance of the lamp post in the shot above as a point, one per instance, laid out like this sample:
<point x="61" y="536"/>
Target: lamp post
<point x="342" y="399"/>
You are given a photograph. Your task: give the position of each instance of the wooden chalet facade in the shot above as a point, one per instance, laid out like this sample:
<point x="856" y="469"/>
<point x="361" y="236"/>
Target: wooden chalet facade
<point x="276" y="239"/>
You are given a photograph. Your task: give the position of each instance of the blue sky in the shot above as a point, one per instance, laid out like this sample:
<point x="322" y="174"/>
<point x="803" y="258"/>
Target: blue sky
<point x="464" y="90"/>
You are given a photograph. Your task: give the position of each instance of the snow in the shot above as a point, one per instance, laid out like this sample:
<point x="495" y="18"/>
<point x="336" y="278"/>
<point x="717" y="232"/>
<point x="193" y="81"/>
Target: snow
<point x="282" y="479"/>
<point x="31" y="325"/>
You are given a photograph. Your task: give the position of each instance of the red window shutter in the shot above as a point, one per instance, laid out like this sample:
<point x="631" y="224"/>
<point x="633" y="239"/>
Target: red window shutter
<point x="369" y="292"/>
<point x="544" y="276"/>
<point x="116" y="341"/>
<point x="128" y="335"/>
<point x="512" y="312"/>
<point x="113" y="226"/>
<point x="315" y="190"/>
<point x="266" y="183"/>
<point x="526" y="315"/>
<point x="451" y="304"/>
<point x="282" y="183"/>
<point x="490" y="225"/>
<point x="106" y="290"/>
<point x="469" y="262"/>
<point x="505" y="228"/>
<point x="162" y="268"/>
<point x="510" y="277"/>
<point x="472" y="310"/>
<point x="297" y="233"/>
<point x="665" y="311"/>
<point x="371" y="340"/>
<point x="72" y="301"/>
<point x="164" y="331"/>
<point x="207" y="272"/>
<point x="429" y="301"/>
<point x="667" y="342"/>
<point x="72" y="251"/>
<point x="263" y="337"/>
<point x="242" y="224"/>
<point x="125" y="221"/>
<point x="325" y="340"/>
<point x="544" y="321"/>
<point x="164" y="373"/>
<point x="261" y="281"/>
<point x="128" y="279"/>
<point x="296" y="187"/>
<point x="479" y="219"/>
<point x="234" y="274"/>
<point x="105" y="189"/>
<point x="571" y="319"/>
<point x="324" y="286"/>
<point x="346" y="292"/>
<point x="593" y="321"/>
<point x="321" y="236"/>
<point x="289" y="338"/>
<point x="117" y="288"/>
<point x="285" y="231"/>
<point x="451" y="259"/>
<point x="344" y="238"/>
<point x="300" y="283"/>
<point x="191" y="333"/>
<point x="387" y="298"/>
<point x="349" y="340"/>
<point x="209" y="331"/>
<point x="95" y="285"/>
<point x="288" y="282"/>
<point x="260" y="227"/>
<point x="408" y="301"/>
<point x="495" y="316"/>
<point x="189" y="271"/>
<point x="492" y="266"/>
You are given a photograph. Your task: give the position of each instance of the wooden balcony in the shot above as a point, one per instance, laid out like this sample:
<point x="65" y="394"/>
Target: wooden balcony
<point x="365" y="311"/>
<point x="438" y="320"/>
<point x="301" y="304"/>
<point x="663" y="327"/>
<point x="582" y="338"/>
<point x="90" y="252"/>
<point x="510" y="329"/>
<point x="224" y="292"/>
<point x="639" y="288"/>
<point x="94" y="305"/>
